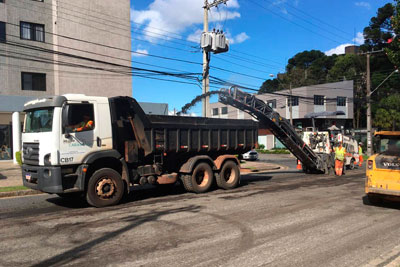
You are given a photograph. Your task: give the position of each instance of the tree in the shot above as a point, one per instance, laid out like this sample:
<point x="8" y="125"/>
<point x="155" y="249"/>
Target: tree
<point x="304" y="59"/>
<point x="269" y="86"/>
<point x="393" y="48"/>
<point x="379" y="30"/>
<point x="388" y="113"/>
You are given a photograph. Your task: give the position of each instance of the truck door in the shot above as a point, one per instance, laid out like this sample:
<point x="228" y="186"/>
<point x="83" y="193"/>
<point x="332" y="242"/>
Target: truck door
<point x="80" y="129"/>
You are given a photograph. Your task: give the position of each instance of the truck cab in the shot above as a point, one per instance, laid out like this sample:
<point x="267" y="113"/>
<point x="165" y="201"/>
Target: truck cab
<point x="383" y="168"/>
<point x="54" y="147"/>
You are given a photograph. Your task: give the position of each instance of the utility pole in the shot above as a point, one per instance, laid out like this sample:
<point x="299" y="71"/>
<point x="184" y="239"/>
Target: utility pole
<point x="206" y="58"/>
<point x="369" y="137"/>
<point x="206" y="66"/>
<point x="369" y="123"/>
<point x="290" y="104"/>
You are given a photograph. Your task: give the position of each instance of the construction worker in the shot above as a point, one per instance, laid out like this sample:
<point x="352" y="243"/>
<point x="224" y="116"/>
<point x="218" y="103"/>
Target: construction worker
<point x="340" y="152"/>
<point x="360" y="157"/>
<point x="85" y="125"/>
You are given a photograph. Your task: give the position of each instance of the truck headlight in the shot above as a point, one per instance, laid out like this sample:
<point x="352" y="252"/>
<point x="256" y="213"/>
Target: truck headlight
<point x="47" y="159"/>
<point x="370" y="164"/>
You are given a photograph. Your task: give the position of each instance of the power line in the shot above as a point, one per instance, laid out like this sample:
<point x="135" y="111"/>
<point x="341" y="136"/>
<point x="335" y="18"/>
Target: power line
<point x="124" y="25"/>
<point x="292" y="22"/>
<point x="315" y="18"/>
<point x="312" y="24"/>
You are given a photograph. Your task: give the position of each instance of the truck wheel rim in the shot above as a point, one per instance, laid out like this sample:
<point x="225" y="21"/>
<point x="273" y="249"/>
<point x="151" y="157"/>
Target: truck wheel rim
<point x="229" y="175"/>
<point x="202" y="178"/>
<point x="105" y="188"/>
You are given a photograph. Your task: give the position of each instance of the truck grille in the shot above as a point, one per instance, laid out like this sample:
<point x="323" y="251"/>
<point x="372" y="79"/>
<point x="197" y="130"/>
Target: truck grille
<point x="30" y="153"/>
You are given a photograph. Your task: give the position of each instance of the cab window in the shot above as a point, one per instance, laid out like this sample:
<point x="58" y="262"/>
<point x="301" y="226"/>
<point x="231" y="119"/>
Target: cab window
<point x="80" y="117"/>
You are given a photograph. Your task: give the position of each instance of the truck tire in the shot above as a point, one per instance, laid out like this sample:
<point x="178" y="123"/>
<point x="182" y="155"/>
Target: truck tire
<point x="229" y="176"/>
<point x="374" y="199"/>
<point x="105" y="188"/>
<point x="200" y="180"/>
<point x="351" y="165"/>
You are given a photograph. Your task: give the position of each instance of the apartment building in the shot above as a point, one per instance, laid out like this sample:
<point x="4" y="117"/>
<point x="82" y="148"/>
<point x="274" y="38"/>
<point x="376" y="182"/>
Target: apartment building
<point x="329" y="97"/>
<point x="44" y="46"/>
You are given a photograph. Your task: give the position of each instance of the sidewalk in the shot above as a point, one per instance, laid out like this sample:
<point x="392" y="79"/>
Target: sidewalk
<point x="10" y="176"/>
<point x="258" y="166"/>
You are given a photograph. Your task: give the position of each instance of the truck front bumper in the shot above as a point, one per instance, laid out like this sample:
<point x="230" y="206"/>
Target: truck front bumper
<point x="50" y="179"/>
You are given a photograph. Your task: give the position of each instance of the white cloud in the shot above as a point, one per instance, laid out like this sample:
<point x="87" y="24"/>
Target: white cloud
<point x="177" y="15"/>
<point x="195" y="37"/>
<point x="363" y="4"/>
<point x="358" y="40"/>
<point x="140" y="53"/>
<point x="241" y="37"/>
<point x="337" y="50"/>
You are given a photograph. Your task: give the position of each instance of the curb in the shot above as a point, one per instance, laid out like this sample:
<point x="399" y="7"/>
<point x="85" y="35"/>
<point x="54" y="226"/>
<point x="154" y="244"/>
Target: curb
<point x="19" y="193"/>
<point x="29" y="192"/>
<point x="248" y="170"/>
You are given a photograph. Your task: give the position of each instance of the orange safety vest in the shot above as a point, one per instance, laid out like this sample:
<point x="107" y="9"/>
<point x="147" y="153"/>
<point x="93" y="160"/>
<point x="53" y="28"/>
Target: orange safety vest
<point x="87" y="125"/>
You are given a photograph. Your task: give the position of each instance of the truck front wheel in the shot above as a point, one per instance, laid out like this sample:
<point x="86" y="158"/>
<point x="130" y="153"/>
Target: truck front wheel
<point x="229" y="175"/>
<point x="200" y="180"/>
<point x="105" y="188"/>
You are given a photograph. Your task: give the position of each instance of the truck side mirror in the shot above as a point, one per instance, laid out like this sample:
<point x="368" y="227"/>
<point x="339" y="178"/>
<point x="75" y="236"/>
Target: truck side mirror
<point x="66" y="117"/>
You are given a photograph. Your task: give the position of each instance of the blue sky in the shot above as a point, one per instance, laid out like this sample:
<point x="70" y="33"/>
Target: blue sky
<point x="263" y="35"/>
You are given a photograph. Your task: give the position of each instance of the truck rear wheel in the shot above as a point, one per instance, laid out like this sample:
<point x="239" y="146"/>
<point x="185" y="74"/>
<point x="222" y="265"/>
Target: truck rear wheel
<point x="374" y="199"/>
<point x="200" y="180"/>
<point x="229" y="175"/>
<point x="105" y="188"/>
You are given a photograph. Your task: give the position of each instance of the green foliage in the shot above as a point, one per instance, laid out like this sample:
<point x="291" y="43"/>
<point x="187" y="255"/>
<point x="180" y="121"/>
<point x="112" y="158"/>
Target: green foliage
<point x="347" y="67"/>
<point x="13" y="188"/>
<point x="393" y="49"/>
<point x="388" y="113"/>
<point x="269" y="86"/>
<point x="18" y="157"/>
<point x="261" y="146"/>
<point x="273" y="151"/>
<point x="379" y="29"/>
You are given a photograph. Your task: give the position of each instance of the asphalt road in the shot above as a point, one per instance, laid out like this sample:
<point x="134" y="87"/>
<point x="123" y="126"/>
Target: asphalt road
<point x="283" y="218"/>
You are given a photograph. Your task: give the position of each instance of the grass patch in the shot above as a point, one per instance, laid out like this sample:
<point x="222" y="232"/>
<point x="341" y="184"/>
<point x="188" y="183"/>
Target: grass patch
<point x="273" y="151"/>
<point x="13" y="188"/>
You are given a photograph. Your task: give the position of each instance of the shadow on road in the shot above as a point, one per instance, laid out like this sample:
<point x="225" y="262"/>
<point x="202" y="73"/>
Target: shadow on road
<point x="393" y="203"/>
<point x="133" y="220"/>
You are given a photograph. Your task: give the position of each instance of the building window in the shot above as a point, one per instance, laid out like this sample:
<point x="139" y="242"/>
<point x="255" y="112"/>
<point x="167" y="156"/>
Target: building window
<point x="295" y="101"/>
<point x="2" y="32"/>
<point x="319" y="100"/>
<point x="33" y="81"/>
<point x="271" y="103"/>
<point x="341" y="101"/>
<point x="224" y="110"/>
<point x="215" y="111"/>
<point x="32" y="31"/>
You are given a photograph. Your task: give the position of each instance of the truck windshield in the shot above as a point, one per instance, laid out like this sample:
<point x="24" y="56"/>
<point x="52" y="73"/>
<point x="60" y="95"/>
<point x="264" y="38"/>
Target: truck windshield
<point x="390" y="146"/>
<point x="39" y="120"/>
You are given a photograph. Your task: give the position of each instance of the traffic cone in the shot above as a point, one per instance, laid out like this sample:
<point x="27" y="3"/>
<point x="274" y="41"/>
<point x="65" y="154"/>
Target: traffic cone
<point x="299" y="167"/>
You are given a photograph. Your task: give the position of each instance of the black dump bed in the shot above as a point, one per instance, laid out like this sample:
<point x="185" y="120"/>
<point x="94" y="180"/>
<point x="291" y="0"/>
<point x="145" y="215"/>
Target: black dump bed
<point x="156" y="134"/>
<point x="197" y="134"/>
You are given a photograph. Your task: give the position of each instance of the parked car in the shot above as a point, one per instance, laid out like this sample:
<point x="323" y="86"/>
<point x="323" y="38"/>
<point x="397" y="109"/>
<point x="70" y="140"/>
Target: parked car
<point x="251" y="155"/>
